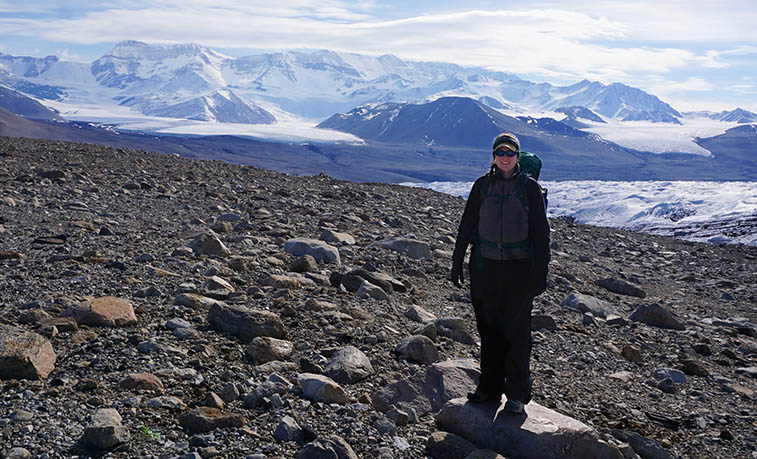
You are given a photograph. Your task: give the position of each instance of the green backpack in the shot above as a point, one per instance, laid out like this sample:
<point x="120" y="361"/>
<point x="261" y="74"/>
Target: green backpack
<point x="530" y="164"/>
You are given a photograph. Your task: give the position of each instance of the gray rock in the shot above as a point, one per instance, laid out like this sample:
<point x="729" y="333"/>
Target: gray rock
<point x="177" y="322"/>
<point x="426" y="392"/>
<point x="328" y="448"/>
<point x="543" y="322"/>
<point x="540" y="433"/>
<point x="24" y="355"/>
<point x="348" y="365"/>
<point x="205" y="419"/>
<point x="643" y="446"/>
<point x="334" y="237"/>
<point x="17" y="453"/>
<point x="216" y="284"/>
<point x="677" y="376"/>
<point x="419" y="314"/>
<point x="105" y="431"/>
<point x="263" y="393"/>
<point x="747" y="371"/>
<point x="322" y="389"/>
<point x="657" y="316"/>
<point x="264" y="349"/>
<point x="586" y="303"/>
<point x="106" y="311"/>
<point x="321" y="251"/>
<point x="195" y="301"/>
<point x="304" y="264"/>
<point x="418" y="348"/>
<point x="208" y="244"/>
<point x="289" y="430"/>
<point x="229" y="217"/>
<point x="410" y="247"/>
<point x="368" y="290"/>
<point x="246" y="324"/>
<point x="454" y="328"/>
<point x="621" y="287"/>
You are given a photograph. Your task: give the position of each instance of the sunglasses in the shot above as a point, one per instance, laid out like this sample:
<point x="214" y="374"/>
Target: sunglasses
<point x="506" y="152"/>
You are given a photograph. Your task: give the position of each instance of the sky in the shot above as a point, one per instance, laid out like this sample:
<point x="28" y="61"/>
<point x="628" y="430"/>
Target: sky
<point x="694" y="54"/>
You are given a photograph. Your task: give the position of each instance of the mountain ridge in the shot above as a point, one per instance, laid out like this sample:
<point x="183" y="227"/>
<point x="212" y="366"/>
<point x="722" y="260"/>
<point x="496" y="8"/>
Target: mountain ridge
<point x="318" y="83"/>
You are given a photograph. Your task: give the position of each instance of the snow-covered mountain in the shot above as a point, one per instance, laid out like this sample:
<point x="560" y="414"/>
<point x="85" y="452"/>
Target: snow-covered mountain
<point x="738" y="115"/>
<point x="187" y="80"/>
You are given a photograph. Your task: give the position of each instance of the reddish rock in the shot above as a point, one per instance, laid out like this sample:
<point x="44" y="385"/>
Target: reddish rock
<point x="141" y="381"/>
<point x="24" y="355"/>
<point x="106" y="311"/>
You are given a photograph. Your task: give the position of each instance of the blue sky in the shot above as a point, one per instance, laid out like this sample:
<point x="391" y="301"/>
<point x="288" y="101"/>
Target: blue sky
<point x="696" y="54"/>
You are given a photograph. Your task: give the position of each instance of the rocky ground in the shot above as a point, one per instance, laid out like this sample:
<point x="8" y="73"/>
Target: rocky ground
<point x="155" y="306"/>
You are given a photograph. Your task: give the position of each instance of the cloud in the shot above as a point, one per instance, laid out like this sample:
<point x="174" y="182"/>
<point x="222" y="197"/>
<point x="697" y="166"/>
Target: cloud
<point x="548" y="42"/>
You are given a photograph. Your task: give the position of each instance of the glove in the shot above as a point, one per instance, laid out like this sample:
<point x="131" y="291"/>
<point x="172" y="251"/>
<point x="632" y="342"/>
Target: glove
<point x="538" y="283"/>
<point x="457" y="274"/>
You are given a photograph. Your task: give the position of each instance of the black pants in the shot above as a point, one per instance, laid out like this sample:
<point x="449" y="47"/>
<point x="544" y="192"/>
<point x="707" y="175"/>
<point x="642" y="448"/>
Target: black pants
<point x="502" y="303"/>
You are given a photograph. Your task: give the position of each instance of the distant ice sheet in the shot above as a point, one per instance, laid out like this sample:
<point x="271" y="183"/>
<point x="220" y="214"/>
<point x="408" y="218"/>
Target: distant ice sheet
<point x="718" y="212"/>
<point x="287" y="129"/>
<point x="661" y="137"/>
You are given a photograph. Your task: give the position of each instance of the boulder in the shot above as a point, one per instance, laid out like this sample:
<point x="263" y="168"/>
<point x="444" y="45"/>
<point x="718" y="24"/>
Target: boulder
<point x="621" y="287"/>
<point x="657" y="316"/>
<point x="106" y="311"/>
<point x="322" y="389"/>
<point x="586" y="303"/>
<point x="410" y="247"/>
<point x="208" y="244"/>
<point x="539" y="433"/>
<point x="321" y="251"/>
<point x="24" y="355"/>
<point x="246" y="324"/>
<point x="426" y="392"/>
<point x="105" y="431"/>
<point x="348" y="365"/>
<point x="264" y="349"/>
<point x="418" y="348"/>
<point x="205" y="419"/>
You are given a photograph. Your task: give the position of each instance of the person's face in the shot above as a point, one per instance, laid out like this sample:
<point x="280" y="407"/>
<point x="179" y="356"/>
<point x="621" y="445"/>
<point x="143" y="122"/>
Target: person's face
<point x="506" y="163"/>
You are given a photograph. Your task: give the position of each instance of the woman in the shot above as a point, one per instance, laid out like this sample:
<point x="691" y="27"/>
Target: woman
<point x="505" y="220"/>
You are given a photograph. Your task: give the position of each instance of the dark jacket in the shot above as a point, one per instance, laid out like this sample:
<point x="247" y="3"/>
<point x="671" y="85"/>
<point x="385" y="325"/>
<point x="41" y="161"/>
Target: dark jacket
<point x="538" y="226"/>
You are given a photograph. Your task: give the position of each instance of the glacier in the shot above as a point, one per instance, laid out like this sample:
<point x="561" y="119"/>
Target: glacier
<point x="703" y="211"/>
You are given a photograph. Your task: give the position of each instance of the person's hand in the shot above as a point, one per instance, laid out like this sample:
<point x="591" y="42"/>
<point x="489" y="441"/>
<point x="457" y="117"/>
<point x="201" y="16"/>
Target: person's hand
<point x="457" y="274"/>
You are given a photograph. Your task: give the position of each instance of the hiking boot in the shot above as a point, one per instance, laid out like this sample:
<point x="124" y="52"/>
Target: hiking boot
<point x="483" y="397"/>
<point x="514" y="407"/>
